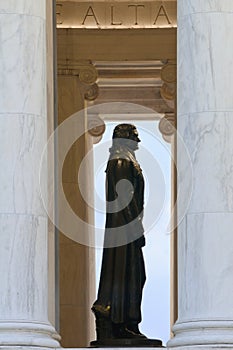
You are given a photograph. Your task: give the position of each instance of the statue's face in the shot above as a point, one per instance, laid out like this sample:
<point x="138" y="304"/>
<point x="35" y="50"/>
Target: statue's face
<point x="135" y="136"/>
<point x="136" y="139"/>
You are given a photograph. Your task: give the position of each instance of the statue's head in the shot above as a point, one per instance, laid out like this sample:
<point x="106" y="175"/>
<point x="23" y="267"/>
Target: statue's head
<point x="126" y="134"/>
<point x="126" y="131"/>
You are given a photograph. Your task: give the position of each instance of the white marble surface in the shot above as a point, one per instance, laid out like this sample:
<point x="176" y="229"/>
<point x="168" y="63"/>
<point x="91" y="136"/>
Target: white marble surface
<point x="205" y="111"/>
<point x="23" y="134"/>
<point x="187" y="7"/>
<point x="25" y="7"/>
<point x="22" y="140"/>
<point x="205" y="67"/>
<point x="205" y="276"/>
<point x="23" y="288"/>
<point x="23" y="276"/>
<point x="22" y="65"/>
<point x="208" y="138"/>
<point x="196" y="347"/>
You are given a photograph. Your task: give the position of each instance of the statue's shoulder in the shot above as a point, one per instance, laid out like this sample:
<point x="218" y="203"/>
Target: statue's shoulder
<point x="118" y="162"/>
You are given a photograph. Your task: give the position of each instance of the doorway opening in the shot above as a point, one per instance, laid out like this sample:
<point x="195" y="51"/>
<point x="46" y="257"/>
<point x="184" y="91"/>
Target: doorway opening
<point x="107" y="66"/>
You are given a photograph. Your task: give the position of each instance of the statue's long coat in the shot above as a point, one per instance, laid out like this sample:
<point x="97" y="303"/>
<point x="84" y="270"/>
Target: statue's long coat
<point x="123" y="272"/>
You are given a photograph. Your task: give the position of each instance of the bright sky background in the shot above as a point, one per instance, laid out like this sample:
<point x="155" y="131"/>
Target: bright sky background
<point x="155" y="160"/>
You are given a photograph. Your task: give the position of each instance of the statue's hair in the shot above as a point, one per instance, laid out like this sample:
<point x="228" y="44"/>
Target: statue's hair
<point x="123" y="131"/>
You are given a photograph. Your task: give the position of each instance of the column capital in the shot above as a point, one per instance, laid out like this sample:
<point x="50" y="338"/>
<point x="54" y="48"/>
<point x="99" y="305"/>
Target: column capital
<point x="96" y="127"/>
<point x="87" y="75"/>
<point x="168" y="89"/>
<point x="90" y="92"/>
<point x="167" y="126"/>
<point x="85" y="70"/>
<point x="168" y="72"/>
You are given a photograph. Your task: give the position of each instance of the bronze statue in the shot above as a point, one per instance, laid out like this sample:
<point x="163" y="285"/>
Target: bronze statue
<point x="118" y="306"/>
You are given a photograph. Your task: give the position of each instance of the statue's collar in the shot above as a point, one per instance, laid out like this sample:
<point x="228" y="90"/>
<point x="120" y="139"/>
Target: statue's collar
<point x="122" y="152"/>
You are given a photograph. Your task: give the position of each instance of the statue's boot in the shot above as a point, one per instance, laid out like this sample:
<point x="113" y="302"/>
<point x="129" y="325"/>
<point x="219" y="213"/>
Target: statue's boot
<point x="104" y="329"/>
<point x="133" y="327"/>
<point x="120" y="331"/>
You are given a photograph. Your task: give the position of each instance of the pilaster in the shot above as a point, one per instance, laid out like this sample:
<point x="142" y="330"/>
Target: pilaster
<point x="76" y="84"/>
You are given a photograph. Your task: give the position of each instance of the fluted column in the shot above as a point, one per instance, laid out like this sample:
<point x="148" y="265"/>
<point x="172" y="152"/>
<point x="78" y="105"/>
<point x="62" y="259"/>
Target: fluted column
<point x="23" y="134"/>
<point x="205" y="122"/>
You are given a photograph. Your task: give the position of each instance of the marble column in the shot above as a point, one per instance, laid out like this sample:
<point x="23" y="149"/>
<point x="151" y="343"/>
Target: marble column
<point x="23" y="221"/>
<point x="205" y="122"/>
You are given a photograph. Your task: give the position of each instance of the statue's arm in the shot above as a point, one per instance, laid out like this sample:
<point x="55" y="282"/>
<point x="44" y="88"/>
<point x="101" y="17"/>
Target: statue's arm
<point x="124" y="170"/>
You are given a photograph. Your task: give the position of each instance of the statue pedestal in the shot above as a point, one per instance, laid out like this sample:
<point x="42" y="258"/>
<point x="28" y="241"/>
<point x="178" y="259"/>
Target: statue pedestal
<point x="127" y="342"/>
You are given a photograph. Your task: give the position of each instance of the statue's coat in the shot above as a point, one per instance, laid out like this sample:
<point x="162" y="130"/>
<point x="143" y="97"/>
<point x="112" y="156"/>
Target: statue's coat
<point x="123" y="272"/>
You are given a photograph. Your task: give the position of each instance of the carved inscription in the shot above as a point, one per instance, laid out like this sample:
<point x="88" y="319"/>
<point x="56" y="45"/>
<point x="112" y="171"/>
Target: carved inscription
<point x="151" y="14"/>
<point x="90" y="13"/>
<point x="136" y="7"/>
<point x="162" y="13"/>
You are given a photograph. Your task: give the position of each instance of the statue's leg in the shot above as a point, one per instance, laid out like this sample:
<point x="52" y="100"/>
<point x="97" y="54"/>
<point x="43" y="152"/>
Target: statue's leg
<point x="104" y="329"/>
